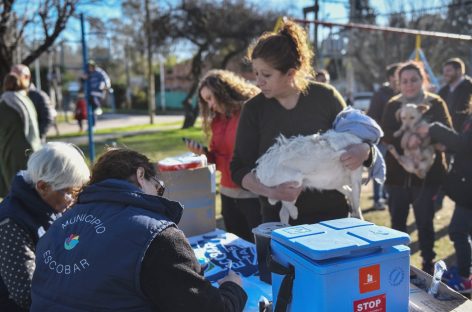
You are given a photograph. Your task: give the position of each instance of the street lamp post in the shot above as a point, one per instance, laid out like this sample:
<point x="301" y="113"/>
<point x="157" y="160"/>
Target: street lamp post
<point x="87" y="91"/>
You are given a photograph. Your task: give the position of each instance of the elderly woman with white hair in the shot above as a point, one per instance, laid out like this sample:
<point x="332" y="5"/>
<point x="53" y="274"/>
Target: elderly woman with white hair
<point x="54" y="176"/>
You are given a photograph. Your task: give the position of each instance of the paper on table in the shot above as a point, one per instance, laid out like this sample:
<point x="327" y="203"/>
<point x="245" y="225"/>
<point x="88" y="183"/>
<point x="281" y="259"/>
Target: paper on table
<point x="221" y="251"/>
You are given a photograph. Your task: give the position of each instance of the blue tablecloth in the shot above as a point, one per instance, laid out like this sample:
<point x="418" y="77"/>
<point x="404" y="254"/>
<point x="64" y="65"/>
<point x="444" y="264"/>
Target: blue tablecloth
<point x="217" y="249"/>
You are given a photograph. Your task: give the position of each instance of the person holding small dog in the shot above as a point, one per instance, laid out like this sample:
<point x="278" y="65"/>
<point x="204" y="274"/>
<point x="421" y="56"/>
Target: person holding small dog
<point x="290" y="104"/>
<point x="405" y="188"/>
<point x="221" y="96"/>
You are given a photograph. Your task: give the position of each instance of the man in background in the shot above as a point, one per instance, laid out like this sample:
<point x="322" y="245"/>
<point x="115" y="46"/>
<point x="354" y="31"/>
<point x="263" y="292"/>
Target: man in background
<point x="457" y="92"/>
<point x="377" y="104"/>
<point x="40" y="99"/>
<point x="19" y="134"/>
<point x="322" y="75"/>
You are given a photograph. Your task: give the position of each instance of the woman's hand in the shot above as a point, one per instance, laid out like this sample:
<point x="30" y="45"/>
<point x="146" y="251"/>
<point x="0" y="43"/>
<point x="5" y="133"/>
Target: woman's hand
<point x="414" y="141"/>
<point x="288" y="191"/>
<point x="355" y="155"/>
<point x="422" y="130"/>
<point x="195" y="147"/>
<point x="440" y="147"/>
<point x="231" y="277"/>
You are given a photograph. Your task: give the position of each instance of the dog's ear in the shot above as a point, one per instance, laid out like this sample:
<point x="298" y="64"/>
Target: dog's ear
<point x="422" y="108"/>
<point x="397" y="114"/>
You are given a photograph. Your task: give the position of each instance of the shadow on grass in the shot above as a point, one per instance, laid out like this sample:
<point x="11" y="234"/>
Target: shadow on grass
<point x="374" y="210"/>
<point x="415" y="245"/>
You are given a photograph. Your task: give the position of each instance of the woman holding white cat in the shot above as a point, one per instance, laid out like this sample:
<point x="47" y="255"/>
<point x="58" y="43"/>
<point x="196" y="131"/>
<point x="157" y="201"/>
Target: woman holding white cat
<point x="289" y="104"/>
<point x="405" y="188"/>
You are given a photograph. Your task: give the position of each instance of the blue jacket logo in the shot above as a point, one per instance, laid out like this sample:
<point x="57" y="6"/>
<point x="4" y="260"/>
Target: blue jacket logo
<point x="71" y="241"/>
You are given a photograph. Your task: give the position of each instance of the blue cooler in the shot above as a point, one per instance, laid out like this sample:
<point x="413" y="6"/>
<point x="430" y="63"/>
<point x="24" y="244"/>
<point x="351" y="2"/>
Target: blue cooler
<point x="340" y="265"/>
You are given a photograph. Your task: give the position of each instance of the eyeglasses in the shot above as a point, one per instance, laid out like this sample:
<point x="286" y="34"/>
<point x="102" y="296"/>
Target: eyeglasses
<point x="70" y="193"/>
<point x="160" y="186"/>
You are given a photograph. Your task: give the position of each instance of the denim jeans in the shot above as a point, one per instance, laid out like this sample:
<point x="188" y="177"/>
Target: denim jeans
<point x="460" y="232"/>
<point x="379" y="192"/>
<point x="379" y="189"/>
<point x="421" y="198"/>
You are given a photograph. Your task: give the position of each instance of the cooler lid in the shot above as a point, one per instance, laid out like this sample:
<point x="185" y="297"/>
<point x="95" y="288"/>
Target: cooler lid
<point x="348" y="237"/>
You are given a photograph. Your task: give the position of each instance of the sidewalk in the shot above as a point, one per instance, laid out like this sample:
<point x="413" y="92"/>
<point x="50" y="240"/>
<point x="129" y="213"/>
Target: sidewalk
<point x="110" y="120"/>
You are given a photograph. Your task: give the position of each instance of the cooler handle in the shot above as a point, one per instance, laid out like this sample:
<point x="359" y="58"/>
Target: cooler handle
<point x="364" y="251"/>
<point x="284" y="297"/>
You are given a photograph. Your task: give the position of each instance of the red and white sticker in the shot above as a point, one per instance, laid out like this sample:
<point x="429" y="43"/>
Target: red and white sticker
<point x="372" y="304"/>
<point x="369" y="278"/>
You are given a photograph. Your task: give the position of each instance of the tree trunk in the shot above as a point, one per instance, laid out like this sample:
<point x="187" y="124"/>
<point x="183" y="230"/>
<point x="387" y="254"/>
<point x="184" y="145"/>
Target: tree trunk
<point x="151" y="94"/>
<point x="191" y="113"/>
<point x="5" y="65"/>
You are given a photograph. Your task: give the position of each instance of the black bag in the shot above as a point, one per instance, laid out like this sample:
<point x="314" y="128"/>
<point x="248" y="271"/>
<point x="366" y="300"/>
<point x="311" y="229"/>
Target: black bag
<point x="458" y="186"/>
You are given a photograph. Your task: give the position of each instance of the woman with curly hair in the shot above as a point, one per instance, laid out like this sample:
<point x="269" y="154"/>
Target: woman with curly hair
<point x="221" y="97"/>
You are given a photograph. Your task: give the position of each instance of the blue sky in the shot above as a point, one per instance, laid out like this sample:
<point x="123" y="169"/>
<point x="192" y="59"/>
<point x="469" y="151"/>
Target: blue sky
<point x="330" y="10"/>
<point x="333" y="10"/>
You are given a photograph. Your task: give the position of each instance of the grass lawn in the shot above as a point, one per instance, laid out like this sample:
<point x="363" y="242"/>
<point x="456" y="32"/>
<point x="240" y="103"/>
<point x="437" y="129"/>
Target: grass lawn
<point x="443" y="246"/>
<point x="156" y="146"/>
<point x="136" y="128"/>
<point x="166" y="143"/>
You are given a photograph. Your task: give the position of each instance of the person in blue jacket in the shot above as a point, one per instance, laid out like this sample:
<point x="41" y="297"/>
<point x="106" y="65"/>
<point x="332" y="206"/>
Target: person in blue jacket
<point x="99" y="85"/>
<point x="54" y="174"/>
<point x="119" y="249"/>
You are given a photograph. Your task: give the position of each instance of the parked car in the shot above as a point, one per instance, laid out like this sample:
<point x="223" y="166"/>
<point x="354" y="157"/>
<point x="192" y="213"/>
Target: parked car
<point x="361" y="100"/>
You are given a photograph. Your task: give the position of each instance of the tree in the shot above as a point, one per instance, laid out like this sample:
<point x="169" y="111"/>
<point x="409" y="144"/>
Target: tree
<point x="51" y="15"/>
<point x="131" y="38"/>
<point x="458" y="20"/>
<point x="373" y="51"/>
<point x="220" y="31"/>
<point x="362" y="45"/>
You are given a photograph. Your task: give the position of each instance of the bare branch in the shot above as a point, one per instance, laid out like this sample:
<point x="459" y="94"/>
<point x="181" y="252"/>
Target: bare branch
<point x="5" y="15"/>
<point x="64" y="12"/>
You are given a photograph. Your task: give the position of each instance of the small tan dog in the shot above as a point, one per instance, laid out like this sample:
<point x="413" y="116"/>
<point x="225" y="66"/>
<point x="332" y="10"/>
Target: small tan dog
<point x="418" y="153"/>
